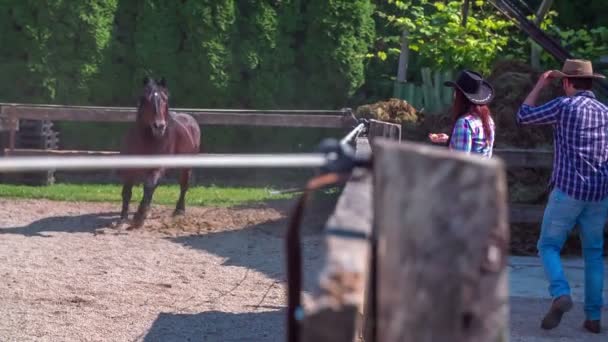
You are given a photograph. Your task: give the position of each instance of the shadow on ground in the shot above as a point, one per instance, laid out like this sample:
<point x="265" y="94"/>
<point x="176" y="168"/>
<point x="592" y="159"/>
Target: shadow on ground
<point x="87" y="223"/>
<point x="259" y="246"/>
<point x="210" y="326"/>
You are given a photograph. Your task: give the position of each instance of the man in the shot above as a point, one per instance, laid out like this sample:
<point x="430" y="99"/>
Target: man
<point x="579" y="185"/>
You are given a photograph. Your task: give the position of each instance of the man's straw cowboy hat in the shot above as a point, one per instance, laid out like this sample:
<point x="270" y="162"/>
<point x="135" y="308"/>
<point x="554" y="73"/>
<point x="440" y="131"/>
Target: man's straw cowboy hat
<point x="576" y="68"/>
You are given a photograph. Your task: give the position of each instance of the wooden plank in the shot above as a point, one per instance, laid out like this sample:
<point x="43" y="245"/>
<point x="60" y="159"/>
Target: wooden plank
<point x="443" y="244"/>
<point x="343" y="111"/>
<point x="533" y="158"/>
<point x="318" y="119"/>
<point x="22" y="152"/>
<point x="5" y="124"/>
<point x="337" y="304"/>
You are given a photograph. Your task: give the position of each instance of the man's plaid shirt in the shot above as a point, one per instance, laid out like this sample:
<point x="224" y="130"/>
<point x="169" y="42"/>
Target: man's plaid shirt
<point x="580" y="162"/>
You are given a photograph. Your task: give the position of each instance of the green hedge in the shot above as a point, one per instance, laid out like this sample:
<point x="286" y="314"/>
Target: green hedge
<point x="214" y="53"/>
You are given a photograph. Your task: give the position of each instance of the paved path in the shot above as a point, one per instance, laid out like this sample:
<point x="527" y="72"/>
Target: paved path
<point x="529" y="302"/>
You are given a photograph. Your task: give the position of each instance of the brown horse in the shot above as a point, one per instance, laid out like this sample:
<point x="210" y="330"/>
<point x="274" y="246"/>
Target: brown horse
<point x="157" y="131"/>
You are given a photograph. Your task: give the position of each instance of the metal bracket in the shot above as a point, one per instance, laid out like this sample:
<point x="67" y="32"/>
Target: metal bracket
<point x="341" y="158"/>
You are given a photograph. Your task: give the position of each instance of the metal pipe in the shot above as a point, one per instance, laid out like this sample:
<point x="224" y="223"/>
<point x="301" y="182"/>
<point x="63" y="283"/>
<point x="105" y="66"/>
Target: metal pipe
<point x="24" y="164"/>
<point x="352" y="134"/>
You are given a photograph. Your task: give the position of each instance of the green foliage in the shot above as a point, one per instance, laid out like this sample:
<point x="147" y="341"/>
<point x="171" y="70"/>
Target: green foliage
<point x="338" y="34"/>
<point x="263" y="43"/>
<point x="203" y="55"/>
<point x="439" y="39"/>
<point x="227" y="53"/>
<point x="580" y="42"/>
<point x="52" y="50"/>
<point x="588" y="13"/>
<point x="590" y="44"/>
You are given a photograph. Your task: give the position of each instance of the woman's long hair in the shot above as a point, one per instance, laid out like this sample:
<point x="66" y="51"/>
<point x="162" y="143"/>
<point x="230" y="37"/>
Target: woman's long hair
<point x="462" y="106"/>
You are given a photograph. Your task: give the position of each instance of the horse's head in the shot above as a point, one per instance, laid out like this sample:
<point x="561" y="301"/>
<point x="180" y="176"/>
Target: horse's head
<point x="153" y="108"/>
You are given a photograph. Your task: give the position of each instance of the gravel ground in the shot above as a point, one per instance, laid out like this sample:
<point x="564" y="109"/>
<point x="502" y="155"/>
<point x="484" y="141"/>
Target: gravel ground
<point x="66" y="274"/>
<point x="216" y="275"/>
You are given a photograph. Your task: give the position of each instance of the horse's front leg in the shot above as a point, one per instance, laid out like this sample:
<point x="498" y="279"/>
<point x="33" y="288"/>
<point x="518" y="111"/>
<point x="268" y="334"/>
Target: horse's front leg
<point x="127" y="192"/>
<point x="150" y="185"/>
<point x="180" y="208"/>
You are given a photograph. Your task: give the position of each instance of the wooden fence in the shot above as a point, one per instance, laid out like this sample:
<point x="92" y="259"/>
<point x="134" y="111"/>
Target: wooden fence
<point x="11" y="114"/>
<point x="431" y="94"/>
<point x="419" y="261"/>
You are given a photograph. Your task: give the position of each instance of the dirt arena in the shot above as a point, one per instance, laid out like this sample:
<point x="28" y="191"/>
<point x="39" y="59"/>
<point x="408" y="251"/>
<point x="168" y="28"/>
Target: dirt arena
<point x="217" y="275"/>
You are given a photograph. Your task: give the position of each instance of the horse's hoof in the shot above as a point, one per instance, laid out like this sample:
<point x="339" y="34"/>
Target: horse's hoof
<point x="136" y="225"/>
<point x="140" y="216"/>
<point x="119" y="224"/>
<point x="122" y="225"/>
<point x="138" y="221"/>
<point x="179" y="212"/>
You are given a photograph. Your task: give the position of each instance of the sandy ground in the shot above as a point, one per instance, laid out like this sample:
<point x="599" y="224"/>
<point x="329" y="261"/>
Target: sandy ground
<point x="216" y="275"/>
<point x="65" y="276"/>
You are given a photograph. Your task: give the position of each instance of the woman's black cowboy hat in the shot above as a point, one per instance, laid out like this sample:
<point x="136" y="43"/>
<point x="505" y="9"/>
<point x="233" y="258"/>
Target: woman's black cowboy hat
<point x="473" y="86"/>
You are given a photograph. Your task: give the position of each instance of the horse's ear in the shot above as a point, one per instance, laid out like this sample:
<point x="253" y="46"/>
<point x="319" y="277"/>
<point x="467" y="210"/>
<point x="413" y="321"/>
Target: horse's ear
<point x="146" y="80"/>
<point x="162" y="82"/>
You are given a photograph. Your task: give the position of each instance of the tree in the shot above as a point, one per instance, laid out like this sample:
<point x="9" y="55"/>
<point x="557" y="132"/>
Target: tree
<point x="439" y="37"/>
<point x="338" y="34"/>
<point x="52" y="51"/>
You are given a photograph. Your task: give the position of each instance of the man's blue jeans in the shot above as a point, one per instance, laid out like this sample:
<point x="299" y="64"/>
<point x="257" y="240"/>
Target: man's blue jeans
<point x="561" y="215"/>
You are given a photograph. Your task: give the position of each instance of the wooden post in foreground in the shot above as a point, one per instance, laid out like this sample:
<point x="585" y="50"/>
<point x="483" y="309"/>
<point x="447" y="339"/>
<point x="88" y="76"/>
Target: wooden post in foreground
<point x="441" y="221"/>
<point x="334" y="312"/>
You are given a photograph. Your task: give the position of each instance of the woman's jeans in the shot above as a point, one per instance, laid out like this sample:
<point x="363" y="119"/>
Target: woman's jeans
<point x="561" y="215"/>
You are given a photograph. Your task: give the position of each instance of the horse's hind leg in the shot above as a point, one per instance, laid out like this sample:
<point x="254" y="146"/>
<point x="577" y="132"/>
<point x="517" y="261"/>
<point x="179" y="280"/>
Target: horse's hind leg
<point x="127" y="188"/>
<point x="184" y="179"/>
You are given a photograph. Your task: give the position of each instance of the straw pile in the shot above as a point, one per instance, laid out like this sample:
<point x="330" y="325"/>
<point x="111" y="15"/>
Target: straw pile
<point x="393" y="110"/>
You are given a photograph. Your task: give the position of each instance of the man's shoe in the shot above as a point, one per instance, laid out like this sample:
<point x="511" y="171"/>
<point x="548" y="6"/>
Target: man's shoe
<point x="560" y="305"/>
<point x="593" y="326"/>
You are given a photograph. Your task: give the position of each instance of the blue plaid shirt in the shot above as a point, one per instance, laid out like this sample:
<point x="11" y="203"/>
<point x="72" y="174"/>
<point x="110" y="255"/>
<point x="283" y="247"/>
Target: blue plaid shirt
<point x="580" y="162"/>
<point x="468" y="136"/>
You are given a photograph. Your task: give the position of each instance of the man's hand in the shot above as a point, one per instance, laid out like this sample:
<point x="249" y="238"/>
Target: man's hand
<point x="543" y="81"/>
<point x="439" y="138"/>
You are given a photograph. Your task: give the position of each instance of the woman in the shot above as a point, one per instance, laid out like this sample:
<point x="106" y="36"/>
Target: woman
<point x="473" y="128"/>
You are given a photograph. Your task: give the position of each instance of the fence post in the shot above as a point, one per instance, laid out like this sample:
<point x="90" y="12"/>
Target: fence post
<point x="333" y="314"/>
<point x="441" y="222"/>
<point x="381" y="129"/>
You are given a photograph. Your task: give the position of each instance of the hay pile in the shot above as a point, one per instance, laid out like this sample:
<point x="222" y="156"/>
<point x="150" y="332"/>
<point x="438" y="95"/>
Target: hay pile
<point x="393" y="110"/>
<point x="512" y="81"/>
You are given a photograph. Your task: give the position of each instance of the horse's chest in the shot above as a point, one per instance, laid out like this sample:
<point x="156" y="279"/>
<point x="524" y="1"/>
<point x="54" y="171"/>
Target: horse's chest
<point x="141" y="144"/>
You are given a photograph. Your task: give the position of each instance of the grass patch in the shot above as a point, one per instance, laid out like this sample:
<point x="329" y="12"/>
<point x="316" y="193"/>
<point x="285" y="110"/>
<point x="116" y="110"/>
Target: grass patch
<point x="165" y="194"/>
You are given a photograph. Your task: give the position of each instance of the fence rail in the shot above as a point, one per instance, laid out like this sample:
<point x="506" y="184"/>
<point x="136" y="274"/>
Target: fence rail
<point x="28" y="164"/>
<point x="11" y="113"/>
<point x="234" y="117"/>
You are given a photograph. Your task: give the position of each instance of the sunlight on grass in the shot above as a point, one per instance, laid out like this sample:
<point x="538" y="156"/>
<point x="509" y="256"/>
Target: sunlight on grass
<point x="165" y="194"/>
